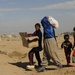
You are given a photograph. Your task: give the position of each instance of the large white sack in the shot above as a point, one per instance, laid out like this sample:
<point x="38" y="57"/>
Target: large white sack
<point x="53" y="21"/>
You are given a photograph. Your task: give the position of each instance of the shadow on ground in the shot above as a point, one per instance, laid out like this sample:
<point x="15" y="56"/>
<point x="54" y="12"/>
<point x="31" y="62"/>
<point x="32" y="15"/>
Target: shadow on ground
<point x="24" y="66"/>
<point x="21" y="65"/>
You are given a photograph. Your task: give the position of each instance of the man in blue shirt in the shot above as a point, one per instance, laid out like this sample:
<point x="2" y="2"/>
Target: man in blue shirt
<point x="50" y="45"/>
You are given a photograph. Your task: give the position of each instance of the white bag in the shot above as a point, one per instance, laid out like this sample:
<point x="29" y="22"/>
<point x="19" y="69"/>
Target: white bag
<point x="53" y="21"/>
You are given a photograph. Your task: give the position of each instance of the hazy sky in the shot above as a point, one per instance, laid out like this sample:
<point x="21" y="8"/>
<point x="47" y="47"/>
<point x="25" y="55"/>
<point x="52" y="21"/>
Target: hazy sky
<point x="21" y="15"/>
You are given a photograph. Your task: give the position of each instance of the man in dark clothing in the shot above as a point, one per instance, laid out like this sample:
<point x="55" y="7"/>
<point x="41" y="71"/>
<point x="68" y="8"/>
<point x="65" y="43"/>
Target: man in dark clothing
<point x="36" y="50"/>
<point x="74" y="35"/>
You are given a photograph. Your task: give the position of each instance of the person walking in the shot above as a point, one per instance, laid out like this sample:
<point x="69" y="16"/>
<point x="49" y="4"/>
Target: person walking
<point x="50" y="45"/>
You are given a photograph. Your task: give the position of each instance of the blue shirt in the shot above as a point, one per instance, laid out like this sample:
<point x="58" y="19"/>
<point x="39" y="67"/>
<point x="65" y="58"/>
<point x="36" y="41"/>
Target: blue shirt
<point x="48" y="29"/>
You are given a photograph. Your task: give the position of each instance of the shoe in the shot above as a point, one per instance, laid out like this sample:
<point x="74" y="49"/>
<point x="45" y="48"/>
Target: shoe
<point x="30" y="66"/>
<point x="44" y="62"/>
<point x="59" y="66"/>
<point x="41" y="69"/>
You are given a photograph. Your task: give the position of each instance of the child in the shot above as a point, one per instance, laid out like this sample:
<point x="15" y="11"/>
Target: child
<point x="67" y="45"/>
<point x="36" y="50"/>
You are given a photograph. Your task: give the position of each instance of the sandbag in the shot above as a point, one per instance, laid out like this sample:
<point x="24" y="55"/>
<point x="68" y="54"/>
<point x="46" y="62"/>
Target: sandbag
<point x="24" y="37"/>
<point x="52" y="21"/>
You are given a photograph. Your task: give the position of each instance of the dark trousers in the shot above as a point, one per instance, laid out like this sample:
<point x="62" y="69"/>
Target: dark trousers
<point x="37" y="55"/>
<point x="67" y="54"/>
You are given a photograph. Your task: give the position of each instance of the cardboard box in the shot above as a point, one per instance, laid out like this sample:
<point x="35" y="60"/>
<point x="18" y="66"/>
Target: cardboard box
<point x="26" y="43"/>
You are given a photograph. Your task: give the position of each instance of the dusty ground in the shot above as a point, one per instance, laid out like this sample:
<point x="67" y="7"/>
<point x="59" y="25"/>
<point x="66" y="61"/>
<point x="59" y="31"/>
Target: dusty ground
<point x="13" y="59"/>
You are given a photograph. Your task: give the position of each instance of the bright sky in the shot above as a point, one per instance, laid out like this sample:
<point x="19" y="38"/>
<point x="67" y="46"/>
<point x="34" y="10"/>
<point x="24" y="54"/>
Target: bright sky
<point x="21" y="15"/>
